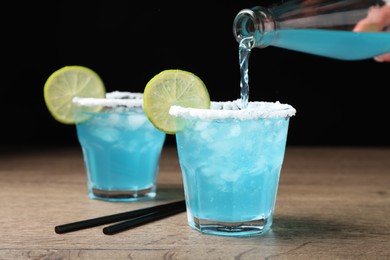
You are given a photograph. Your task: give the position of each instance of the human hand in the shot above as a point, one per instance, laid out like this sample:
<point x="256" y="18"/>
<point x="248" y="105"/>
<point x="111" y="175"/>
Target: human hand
<point x="378" y="19"/>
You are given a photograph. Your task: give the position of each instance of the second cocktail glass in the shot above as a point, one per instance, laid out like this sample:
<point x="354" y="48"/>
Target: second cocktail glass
<point x="121" y="148"/>
<point x="231" y="160"/>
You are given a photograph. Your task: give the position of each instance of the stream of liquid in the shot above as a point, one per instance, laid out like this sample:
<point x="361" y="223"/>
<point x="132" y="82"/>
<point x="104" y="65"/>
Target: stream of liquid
<point x="243" y="56"/>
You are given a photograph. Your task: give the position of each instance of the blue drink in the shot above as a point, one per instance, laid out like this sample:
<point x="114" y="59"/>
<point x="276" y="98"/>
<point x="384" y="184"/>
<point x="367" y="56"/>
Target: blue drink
<point x="343" y="45"/>
<point x="231" y="162"/>
<point x="121" y="147"/>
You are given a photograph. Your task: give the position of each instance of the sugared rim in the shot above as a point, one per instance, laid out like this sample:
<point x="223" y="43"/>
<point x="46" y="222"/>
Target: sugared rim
<point x="232" y="110"/>
<point x="113" y="99"/>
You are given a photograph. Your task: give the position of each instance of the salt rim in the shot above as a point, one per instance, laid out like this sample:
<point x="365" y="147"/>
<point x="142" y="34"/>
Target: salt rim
<point x="232" y="110"/>
<point x="113" y="99"/>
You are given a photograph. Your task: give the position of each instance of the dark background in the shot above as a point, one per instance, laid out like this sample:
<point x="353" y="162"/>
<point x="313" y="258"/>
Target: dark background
<point x="343" y="103"/>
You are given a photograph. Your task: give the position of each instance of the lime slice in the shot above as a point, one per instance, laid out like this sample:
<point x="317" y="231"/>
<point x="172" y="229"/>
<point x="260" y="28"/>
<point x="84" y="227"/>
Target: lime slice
<point x="173" y="87"/>
<point x="66" y="83"/>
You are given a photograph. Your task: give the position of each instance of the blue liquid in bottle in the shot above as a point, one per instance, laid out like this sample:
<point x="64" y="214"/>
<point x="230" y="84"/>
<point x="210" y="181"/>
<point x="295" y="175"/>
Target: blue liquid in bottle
<point x="343" y="45"/>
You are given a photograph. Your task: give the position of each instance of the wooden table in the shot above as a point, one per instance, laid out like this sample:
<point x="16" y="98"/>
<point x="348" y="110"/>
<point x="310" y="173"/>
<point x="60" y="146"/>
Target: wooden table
<point x="333" y="203"/>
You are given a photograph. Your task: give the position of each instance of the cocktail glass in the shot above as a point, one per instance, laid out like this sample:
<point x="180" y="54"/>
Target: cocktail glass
<point x="121" y="148"/>
<point x="231" y="159"/>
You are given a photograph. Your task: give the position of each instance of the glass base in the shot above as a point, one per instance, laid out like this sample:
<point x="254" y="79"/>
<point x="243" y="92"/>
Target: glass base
<point x="233" y="229"/>
<point x="122" y="195"/>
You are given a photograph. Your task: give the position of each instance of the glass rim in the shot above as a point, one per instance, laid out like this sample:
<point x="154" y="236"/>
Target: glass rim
<point x="232" y="110"/>
<point x="112" y="99"/>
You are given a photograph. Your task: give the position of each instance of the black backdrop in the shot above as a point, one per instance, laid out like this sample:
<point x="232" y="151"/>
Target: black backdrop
<point x="127" y="43"/>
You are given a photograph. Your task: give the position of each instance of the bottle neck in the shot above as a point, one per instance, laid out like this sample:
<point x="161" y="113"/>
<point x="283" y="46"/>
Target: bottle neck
<point x="255" y="27"/>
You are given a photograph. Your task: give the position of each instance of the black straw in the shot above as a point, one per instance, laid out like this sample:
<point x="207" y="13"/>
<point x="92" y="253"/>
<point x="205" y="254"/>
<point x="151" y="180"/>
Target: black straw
<point x="168" y="209"/>
<point x="138" y="221"/>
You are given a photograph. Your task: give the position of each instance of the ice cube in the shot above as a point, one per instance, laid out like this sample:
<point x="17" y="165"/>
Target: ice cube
<point x="136" y="121"/>
<point x="106" y="134"/>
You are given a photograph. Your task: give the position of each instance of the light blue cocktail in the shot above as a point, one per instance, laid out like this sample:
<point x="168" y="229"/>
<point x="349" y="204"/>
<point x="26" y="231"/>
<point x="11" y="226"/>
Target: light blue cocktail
<point x="231" y="160"/>
<point x="121" y="147"/>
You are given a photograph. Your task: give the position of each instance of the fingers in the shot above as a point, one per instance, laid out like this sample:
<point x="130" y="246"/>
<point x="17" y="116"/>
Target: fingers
<point x="366" y="26"/>
<point x="383" y="58"/>
<point x="378" y="19"/>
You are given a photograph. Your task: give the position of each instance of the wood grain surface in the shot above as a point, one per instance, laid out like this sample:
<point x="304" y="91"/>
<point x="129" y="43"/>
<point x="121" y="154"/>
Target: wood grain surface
<point x="333" y="203"/>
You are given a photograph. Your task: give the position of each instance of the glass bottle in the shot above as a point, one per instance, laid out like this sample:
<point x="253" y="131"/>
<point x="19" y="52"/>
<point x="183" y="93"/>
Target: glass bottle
<point x="321" y="27"/>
